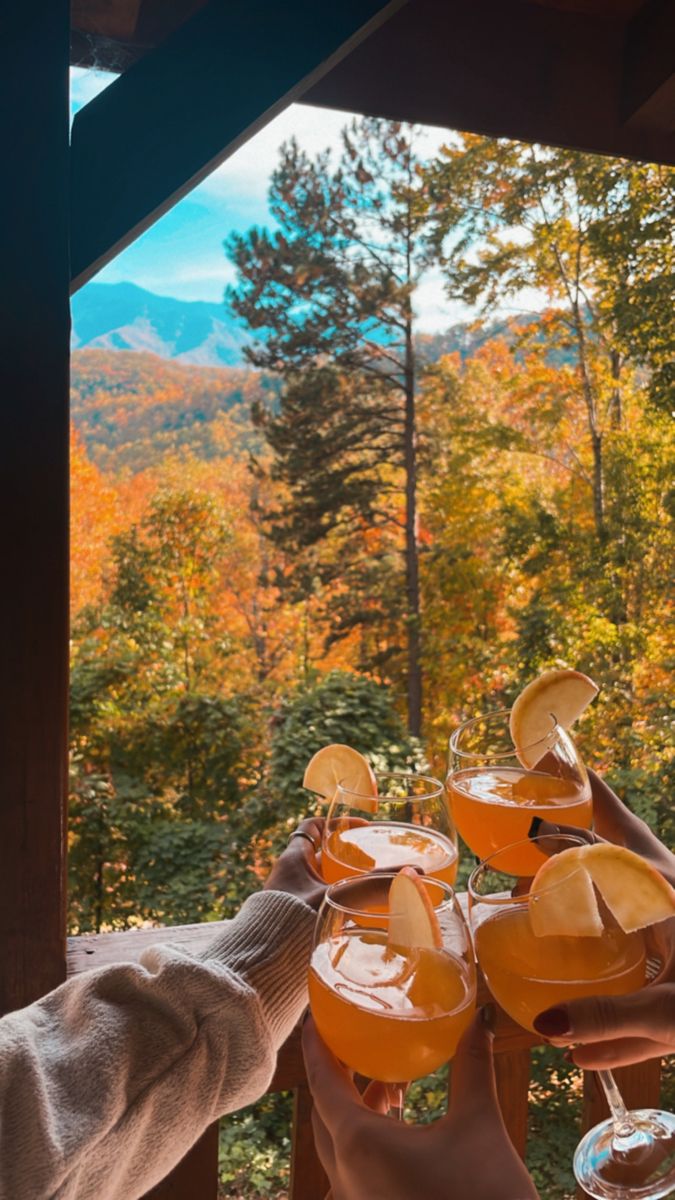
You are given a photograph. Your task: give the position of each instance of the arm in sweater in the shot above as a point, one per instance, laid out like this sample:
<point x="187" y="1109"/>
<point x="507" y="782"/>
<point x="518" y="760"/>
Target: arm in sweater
<point x="106" y="1082"/>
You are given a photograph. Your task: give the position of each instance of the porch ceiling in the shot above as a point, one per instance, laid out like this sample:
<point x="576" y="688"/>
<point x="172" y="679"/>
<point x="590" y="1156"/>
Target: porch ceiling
<point x="595" y="74"/>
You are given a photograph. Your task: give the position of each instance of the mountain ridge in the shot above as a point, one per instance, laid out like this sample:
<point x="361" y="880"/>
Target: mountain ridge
<point x="201" y="333"/>
<point x="124" y="316"/>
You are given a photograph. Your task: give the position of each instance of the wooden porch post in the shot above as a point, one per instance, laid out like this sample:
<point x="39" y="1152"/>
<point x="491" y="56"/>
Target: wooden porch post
<point x="34" y="351"/>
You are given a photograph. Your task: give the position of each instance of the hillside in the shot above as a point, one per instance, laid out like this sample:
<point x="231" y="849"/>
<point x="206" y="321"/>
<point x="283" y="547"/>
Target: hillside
<point x="131" y="409"/>
<point x="122" y="316"/>
<point x="144" y="381"/>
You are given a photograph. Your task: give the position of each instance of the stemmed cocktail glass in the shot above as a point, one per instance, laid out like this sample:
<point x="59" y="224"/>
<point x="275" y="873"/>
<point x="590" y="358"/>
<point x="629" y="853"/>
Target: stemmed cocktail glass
<point x="408" y="823"/>
<point x="390" y="1012"/>
<point x="494" y="796"/>
<point x="632" y="1155"/>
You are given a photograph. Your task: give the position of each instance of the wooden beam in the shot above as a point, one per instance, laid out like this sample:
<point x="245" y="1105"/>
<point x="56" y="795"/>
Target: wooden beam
<point x="648" y="84"/>
<point x="504" y="68"/>
<point x="158" y="130"/>
<point x="33" y="500"/>
<point x="308" y="1179"/>
<point x="100" y="16"/>
<point x="513" y="1072"/>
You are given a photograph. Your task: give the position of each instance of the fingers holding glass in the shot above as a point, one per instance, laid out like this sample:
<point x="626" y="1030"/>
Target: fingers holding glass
<point x="560" y="963"/>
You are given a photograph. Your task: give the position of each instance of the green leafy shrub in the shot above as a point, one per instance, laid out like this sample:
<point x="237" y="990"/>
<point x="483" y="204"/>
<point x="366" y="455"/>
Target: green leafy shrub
<point x="340" y="707"/>
<point x="255" y="1149"/>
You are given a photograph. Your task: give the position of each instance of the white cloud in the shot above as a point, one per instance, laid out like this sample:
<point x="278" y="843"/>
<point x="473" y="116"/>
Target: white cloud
<point x="182" y="254"/>
<point x="202" y="277"/>
<point x="249" y="168"/>
<point x="434" y="311"/>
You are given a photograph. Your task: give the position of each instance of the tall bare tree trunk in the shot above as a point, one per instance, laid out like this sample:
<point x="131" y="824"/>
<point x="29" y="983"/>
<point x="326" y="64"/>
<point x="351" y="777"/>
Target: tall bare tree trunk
<point x="615" y="402"/>
<point x="593" y="427"/>
<point x="412" y="569"/>
<point x="412" y="576"/>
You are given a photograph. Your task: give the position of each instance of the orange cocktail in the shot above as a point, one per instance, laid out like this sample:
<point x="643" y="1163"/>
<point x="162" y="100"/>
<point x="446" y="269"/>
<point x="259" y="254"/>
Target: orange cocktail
<point x="387" y="1014"/>
<point x="390" y="1011"/>
<point x="494" y="798"/>
<point x="350" y="849"/>
<point x="580" y="928"/>
<point x="408" y="823"/>
<point x="528" y="973"/>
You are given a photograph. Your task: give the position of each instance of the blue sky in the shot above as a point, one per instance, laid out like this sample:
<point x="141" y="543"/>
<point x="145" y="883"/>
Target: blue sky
<point x="182" y="254"/>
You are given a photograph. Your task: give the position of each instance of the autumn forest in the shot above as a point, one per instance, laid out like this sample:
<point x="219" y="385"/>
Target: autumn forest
<point x="365" y="535"/>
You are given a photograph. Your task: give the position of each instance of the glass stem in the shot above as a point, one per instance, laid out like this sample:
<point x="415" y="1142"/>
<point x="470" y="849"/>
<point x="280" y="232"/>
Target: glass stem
<point x="622" y="1120"/>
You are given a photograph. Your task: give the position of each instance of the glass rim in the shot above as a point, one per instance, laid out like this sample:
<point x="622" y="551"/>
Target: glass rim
<point x="449" y="894"/>
<point x="437" y="789"/>
<point x="488" y="864"/>
<point x="556" y="729"/>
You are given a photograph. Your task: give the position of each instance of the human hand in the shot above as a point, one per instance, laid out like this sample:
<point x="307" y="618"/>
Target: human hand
<point x="297" y="868"/>
<point x="614" y="822"/>
<point x="618" y="1030"/>
<point x="614" y="1030"/>
<point x="369" y="1156"/>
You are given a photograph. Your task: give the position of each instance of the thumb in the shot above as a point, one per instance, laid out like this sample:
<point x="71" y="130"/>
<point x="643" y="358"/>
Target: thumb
<point x="644" y="1014"/>
<point x="615" y="821"/>
<point x="473" y="1090"/>
<point x="610" y="814"/>
<point x="476" y="1125"/>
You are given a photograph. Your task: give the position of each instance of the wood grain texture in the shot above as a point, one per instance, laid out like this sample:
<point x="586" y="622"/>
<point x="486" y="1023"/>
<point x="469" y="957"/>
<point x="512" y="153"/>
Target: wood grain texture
<point x="34" y="361"/>
<point x="308" y="1178"/>
<point x="512" y="1072"/>
<point x="102" y="949"/>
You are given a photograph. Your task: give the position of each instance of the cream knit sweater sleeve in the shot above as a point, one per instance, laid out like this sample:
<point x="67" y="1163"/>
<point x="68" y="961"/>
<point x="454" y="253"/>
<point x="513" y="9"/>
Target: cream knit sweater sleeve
<point x="106" y="1082"/>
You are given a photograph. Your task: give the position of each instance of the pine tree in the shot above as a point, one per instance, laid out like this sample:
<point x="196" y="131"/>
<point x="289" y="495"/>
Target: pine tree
<point x="330" y="293"/>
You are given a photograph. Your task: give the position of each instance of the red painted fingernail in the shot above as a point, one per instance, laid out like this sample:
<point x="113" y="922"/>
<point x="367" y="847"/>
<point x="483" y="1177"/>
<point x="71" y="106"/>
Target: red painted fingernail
<point x="553" y="1023"/>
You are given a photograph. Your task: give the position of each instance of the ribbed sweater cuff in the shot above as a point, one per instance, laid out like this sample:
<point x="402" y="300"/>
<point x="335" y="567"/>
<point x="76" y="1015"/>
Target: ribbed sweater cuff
<point x="269" y="944"/>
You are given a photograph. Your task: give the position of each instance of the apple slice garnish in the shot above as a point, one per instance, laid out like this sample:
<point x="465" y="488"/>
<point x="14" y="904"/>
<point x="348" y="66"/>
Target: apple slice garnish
<point x="337" y="764"/>
<point x="563" y="695"/>
<point x="562" y="899"/>
<point x="412" y="920"/>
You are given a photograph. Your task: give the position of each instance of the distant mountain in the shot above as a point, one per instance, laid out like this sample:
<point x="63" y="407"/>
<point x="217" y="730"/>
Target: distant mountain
<point x="122" y="316"/>
<point x="464" y="338"/>
<point x="467" y="337"/>
<point x="132" y="406"/>
<point x="132" y="409"/>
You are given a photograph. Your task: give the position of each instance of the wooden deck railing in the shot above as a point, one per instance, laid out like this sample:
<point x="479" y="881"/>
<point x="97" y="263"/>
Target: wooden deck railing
<point x="196" y="1177"/>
